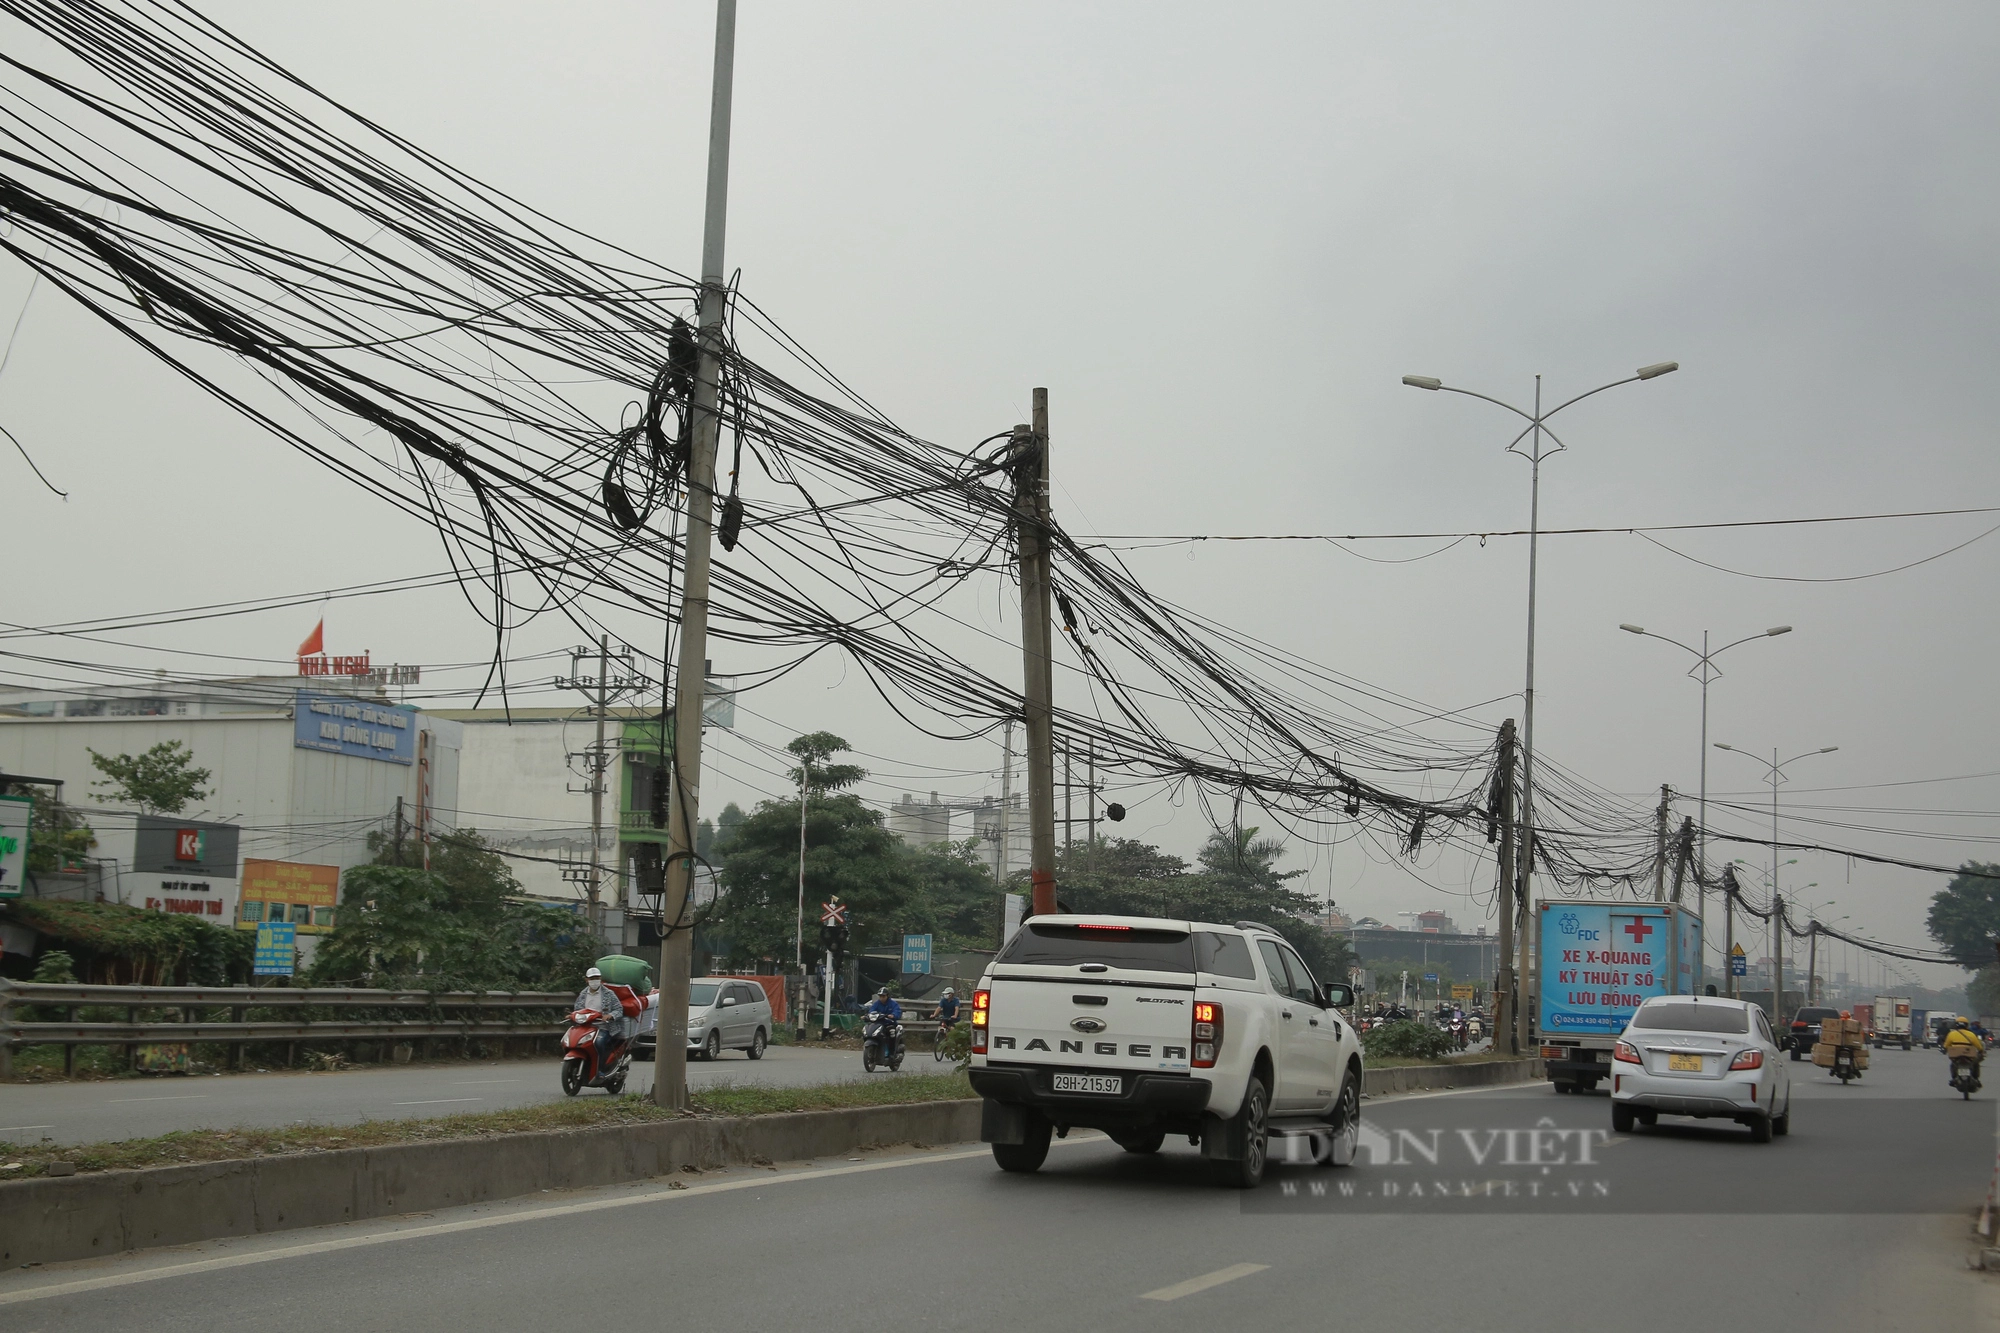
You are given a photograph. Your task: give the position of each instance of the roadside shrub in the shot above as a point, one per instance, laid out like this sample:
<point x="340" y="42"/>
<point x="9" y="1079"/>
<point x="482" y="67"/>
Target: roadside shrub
<point x="1410" y="1038"/>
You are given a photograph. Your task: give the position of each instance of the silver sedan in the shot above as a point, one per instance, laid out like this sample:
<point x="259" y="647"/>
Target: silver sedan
<point x="1700" y="1056"/>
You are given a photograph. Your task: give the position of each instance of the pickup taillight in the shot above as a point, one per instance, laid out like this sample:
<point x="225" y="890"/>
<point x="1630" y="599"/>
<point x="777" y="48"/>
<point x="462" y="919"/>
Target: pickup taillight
<point x="982" y="1011"/>
<point x="1207" y="1034"/>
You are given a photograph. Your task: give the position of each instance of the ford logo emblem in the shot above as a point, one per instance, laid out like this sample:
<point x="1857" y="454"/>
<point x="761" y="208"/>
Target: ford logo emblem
<point x="1087" y="1024"/>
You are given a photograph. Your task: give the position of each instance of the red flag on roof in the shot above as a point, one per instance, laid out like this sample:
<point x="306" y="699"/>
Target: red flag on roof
<point x="315" y="641"/>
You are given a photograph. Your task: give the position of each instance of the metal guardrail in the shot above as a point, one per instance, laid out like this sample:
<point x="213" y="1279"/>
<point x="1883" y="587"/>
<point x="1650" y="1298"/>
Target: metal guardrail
<point x="478" y="1014"/>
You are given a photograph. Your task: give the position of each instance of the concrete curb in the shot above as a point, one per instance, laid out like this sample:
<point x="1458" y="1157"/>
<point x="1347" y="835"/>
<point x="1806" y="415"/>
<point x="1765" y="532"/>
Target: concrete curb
<point x="1425" y="1078"/>
<point x="47" y="1220"/>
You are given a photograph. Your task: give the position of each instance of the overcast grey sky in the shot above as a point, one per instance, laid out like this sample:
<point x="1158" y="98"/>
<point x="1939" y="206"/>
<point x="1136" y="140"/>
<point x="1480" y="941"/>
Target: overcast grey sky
<point x="1220" y="236"/>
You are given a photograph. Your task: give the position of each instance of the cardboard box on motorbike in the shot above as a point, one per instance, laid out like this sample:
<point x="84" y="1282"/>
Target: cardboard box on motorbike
<point x="1822" y="1055"/>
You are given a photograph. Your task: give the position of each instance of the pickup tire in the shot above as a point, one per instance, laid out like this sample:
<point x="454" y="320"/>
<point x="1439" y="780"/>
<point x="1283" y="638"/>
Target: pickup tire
<point x="1252" y="1122"/>
<point x="1345" y="1122"/>
<point x="1028" y="1155"/>
<point x="1141" y="1141"/>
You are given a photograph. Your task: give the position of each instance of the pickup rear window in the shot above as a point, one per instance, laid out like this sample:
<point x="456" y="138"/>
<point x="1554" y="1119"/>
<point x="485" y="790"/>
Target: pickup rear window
<point x="1133" y="949"/>
<point x="1685" y="1017"/>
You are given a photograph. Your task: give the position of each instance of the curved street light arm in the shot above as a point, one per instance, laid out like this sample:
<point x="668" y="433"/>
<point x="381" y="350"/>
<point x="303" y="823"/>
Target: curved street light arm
<point x="1525" y="416"/>
<point x="1648" y="634"/>
<point x="1629" y="379"/>
<point x="1760" y="634"/>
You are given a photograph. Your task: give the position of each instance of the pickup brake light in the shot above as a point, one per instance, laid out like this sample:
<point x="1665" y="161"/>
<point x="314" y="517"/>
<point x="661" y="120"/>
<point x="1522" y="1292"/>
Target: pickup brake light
<point x="1207" y="1034"/>
<point x="982" y="1011"/>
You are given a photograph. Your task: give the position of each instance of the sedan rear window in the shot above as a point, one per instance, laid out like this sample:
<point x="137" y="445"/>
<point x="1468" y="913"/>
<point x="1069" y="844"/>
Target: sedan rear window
<point x="1684" y="1017"/>
<point x="1128" y="947"/>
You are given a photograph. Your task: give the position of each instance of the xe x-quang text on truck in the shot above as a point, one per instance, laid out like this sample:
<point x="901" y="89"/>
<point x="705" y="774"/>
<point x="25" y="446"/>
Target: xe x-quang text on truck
<point x="1599" y="961"/>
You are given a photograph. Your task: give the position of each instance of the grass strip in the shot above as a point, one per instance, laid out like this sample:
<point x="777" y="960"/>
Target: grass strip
<point x="19" y="1161"/>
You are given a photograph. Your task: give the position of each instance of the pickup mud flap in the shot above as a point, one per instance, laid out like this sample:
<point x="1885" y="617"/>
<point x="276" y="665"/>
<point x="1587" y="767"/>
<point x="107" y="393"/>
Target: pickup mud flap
<point x="1002" y="1122"/>
<point x="1294" y="1145"/>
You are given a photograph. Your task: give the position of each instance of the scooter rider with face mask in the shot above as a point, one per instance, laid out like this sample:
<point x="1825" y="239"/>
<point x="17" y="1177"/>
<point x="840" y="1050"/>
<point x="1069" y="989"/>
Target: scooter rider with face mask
<point x="597" y="996"/>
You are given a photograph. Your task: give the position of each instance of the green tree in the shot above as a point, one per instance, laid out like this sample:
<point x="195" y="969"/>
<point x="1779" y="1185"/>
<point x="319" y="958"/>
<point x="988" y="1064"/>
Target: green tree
<point x="821" y="777"/>
<point x="1965" y="914"/>
<point x="458" y="926"/>
<point x="58" y="837"/>
<point x="160" y="781"/>
<point x="848" y="853"/>
<point x="1238" y="881"/>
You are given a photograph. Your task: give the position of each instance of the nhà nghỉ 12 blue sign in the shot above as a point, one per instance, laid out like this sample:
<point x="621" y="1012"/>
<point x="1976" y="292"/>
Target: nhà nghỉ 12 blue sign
<point x="917" y="953"/>
<point x="359" y="728"/>
<point x="276" y="954"/>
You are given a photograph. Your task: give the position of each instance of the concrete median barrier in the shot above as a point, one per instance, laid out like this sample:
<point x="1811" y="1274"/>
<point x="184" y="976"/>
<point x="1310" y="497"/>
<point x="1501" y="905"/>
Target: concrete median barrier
<point x="1428" y="1078"/>
<point x="47" y="1220"/>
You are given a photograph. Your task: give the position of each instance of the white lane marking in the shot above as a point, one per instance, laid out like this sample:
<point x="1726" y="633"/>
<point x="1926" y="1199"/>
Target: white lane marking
<point x="439" y="1101"/>
<point x="482" y="1082"/>
<point x="1202" y="1283"/>
<point x="9" y="1129"/>
<point x="759" y="1181"/>
<point x="188" y="1097"/>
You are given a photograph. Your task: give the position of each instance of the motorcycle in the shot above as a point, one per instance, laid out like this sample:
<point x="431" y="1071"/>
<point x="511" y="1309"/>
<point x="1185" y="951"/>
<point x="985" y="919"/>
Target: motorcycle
<point x="881" y="1044"/>
<point x="1965" y="1075"/>
<point x="583" y="1065"/>
<point x="1459" y="1036"/>
<point x="1844" y="1067"/>
<point x="1476" y="1027"/>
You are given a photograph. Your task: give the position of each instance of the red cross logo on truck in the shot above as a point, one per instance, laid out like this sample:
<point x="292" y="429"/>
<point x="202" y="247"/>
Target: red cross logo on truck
<point x="1639" y="929"/>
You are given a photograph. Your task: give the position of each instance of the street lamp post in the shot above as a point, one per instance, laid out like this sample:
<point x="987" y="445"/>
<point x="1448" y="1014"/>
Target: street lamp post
<point x="1533" y="432"/>
<point x="1704" y="671"/>
<point x="1775" y="774"/>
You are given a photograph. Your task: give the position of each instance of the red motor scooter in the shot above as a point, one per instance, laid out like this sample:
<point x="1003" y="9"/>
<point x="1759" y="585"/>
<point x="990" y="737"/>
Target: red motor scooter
<point x="584" y="1066"/>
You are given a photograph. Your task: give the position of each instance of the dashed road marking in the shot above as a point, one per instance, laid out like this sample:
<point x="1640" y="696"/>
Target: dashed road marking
<point x="1202" y="1283"/>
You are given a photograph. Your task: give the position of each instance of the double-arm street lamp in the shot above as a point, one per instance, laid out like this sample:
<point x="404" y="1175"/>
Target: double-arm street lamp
<point x="1532" y="434"/>
<point x="1775" y="775"/>
<point x="1704" y="670"/>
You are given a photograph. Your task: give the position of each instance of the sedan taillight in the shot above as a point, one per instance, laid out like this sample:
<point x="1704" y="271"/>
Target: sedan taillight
<point x="982" y="1012"/>
<point x="1750" y="1059"/>
<point x="1207" y="1035"/>
<point x="1627" y="1052"/>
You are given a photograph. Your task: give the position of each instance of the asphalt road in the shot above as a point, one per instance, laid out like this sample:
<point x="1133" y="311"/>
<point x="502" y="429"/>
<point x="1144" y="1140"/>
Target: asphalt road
<point x="1701" y="1229"/>
<point x="141" y="1107"/>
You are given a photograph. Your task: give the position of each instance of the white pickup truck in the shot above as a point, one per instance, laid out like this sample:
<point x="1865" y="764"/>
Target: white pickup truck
<point x="1144" y="1028"/>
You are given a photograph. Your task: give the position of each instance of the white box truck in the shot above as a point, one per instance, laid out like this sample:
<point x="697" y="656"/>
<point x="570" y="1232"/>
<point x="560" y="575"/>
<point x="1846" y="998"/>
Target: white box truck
<point x="1892" y="1021"/>
<point x="1598" y="961"/>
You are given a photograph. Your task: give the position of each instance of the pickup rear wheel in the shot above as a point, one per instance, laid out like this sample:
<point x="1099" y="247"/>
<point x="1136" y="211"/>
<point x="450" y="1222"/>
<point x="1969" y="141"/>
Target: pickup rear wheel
<point x="1252" y="1123"/>
<point x="1029" y="1154"/>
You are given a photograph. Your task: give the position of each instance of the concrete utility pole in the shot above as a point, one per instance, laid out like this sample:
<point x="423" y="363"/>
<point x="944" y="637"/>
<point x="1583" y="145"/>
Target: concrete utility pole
<point x="1000" y="857"/>
<point x="799" y="925"/>
<point x="598" y="764"/>
<point x="1090" y="805"/>
<point x="1729" y="930"/>
<point x="1506" y="1000"/>
<point x="1660" y="845"/>
<point x="676" y="946"/>
<point x="1031" y="510"/>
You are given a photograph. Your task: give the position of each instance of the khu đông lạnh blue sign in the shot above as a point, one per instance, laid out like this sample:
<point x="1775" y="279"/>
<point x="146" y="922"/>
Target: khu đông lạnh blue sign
<point x="358" y="728"/>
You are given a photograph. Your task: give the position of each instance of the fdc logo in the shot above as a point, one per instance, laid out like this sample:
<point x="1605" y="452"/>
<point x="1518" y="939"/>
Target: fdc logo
<point x="1567" y="922"/>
